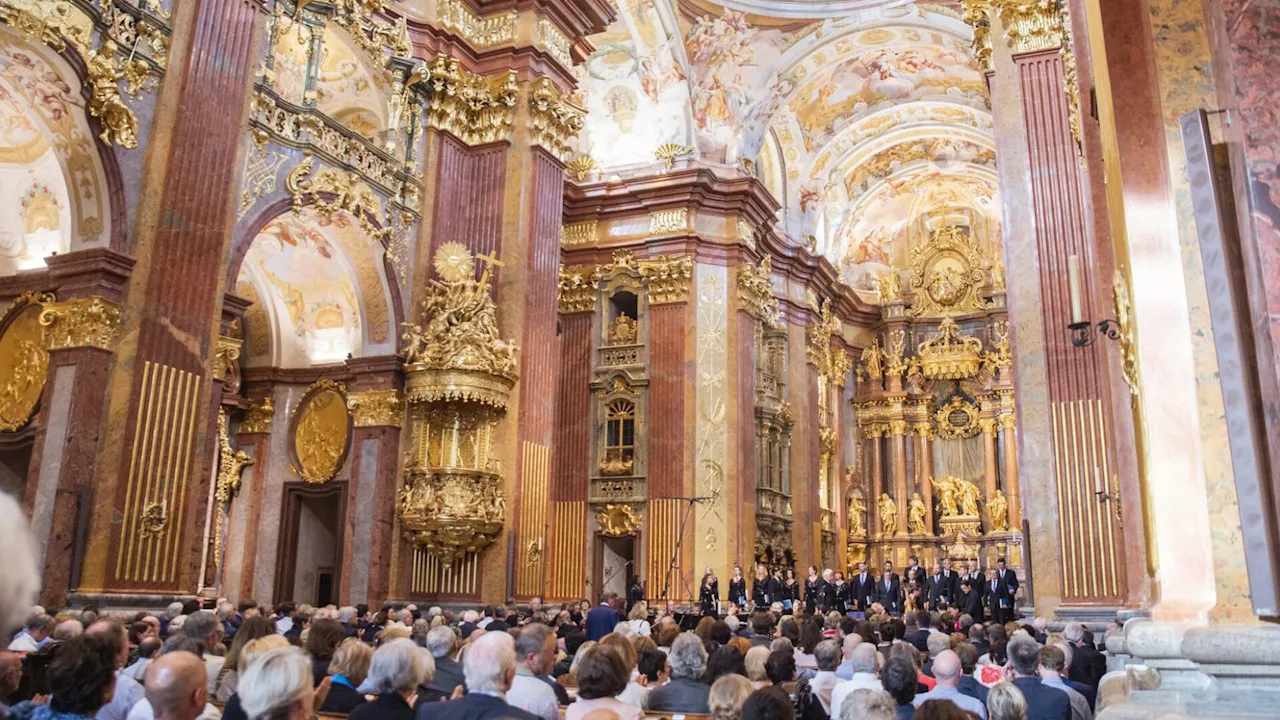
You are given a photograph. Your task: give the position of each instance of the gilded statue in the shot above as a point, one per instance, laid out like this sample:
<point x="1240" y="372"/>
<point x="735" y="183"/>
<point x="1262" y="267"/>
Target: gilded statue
<point x="624" y="330"/>
<point x="998" y="510"/>
<point x="871" y="360"/>
<point x="119" y="124"/>
<point x="888" y="515"/>
<point x="890" y="286"/>
<point x="916" y="512"/>
<point x="857" y="510"/>
<point x="461" y="332"/>
<point x="946" y="490"/>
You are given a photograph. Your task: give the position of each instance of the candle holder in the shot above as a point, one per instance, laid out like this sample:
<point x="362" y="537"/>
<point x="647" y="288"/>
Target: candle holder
<point x="1112" y="497"/>
<point x="1082" y="333"/>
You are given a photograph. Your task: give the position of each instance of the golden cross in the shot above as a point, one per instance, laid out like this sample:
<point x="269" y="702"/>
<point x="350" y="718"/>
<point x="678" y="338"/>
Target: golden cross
<point x="491" y="259"/>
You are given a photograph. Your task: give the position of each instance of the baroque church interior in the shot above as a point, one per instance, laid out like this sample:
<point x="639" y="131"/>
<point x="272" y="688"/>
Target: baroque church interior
<point x="465" y="301"/>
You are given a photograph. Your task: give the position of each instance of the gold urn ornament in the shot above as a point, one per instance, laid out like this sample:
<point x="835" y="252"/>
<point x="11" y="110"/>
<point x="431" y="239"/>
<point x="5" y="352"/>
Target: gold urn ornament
<point x="458" y="379"/>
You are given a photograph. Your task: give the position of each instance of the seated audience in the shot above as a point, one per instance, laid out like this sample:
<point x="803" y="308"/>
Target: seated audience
<point x="827" y="653"/>
<point x="754" y="663"/>
<point x="488" y="671"/>
<point x="147" y="650"/>
<point x="81" y="680"/>
<point x="867" y="704"/>
<point x="727" y="695"/>
<point x="396" y="670"/>
<point x="636" y="693"/>
<point x="1043" y="702"/>
<point x="448" y="676"/>
<point x="127" y="691"/>
<point x="940" y="710"/>
<point x="251" y="629"/>
<point x="347" y="670"/>
<point x="322" y="640"/>
<point x="177" y="687"/>
<point x="864" y="659"/>
<point x="726" y="660"/>
<point x="1052" y="664"/>
<point x="178" y="644"/>
<point x="780" y="667"/>
<point x="946" y="671"/>
<point x="769" y="703"/>
<point x="602" y="677"/>
<point x="249" y="654"/>
<point x="899" y="679"/>
<point x="683" y="693"/>
<point x="535" y="655"/>
<point x="277" y="686"/>
<point x="969" y="684"/>
<point x="653" y="665"/>
<point x="570" y="680"/>
<point x="1006" y="702"/>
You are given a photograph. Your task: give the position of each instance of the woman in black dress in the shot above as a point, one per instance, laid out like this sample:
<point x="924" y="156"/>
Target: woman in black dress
<point x="844" y="594"/>
<point x="790" y="591"/>
<point x="635" y="593"/>
<point x="814" y="589"/>
<point x="709" y="594"/>
<point x="738" y="587"/>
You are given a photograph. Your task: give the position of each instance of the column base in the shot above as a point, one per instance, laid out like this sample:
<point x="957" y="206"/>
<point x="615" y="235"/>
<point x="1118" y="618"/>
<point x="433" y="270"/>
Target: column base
<point x="123" y="602"/>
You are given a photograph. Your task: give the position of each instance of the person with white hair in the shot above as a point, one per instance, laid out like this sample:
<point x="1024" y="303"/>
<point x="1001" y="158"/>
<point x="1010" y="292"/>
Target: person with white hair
<point x="1088" y="665"/>
<point x="440" y="643"/>
<point x="17" y="566"/>
<point x="38" y="628"/>
<point x="278" y="686"/>
<point x="173" y="610"/>
<point x="864" y="659"/>
<point x="684" y="693"/>
<point x="489" y="667"/>
<point x="396" y="671"/>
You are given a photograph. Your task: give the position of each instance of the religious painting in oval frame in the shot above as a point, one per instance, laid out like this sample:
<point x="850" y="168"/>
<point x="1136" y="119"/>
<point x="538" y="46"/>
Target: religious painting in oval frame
<point x="24" y="363"/>
<point x="320" y="432"/>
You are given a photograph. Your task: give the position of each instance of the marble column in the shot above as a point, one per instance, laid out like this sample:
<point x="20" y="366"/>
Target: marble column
<point x="925" y="463"/>
<point x="876" y="436"/>
<point x="898" y="431"/>
<point x="70" y="424"/>
<point x="991" y="475"/>
<point x="146" y="523"/>
<point x="1014" y="498"/>
<point x="376" y="403"/>
<point x="572" y="450"/>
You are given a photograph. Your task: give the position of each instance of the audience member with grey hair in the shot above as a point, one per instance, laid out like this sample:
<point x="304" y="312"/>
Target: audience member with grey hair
<point x="180" y="644"/>
<point x="535" y="656"/>
<point x="449" y="676"/>
<point x="397" y="669"/>
<point x="867" y="704"/>
<point x="489" y="668"/>
<point x="864" y="659"/>
<point x="38" y="628"/>
<point x="828" y="656"/>
<point x="684" y="693"/>
<point x="18" y="568"/>
<point x="1006" y="702"/>
<point x="1086" y="665"/>
<point x="67" y="629"/>
<point x="347" y="670"/>
<point x="203" y="627"/>
<point x="1024" y="665"/>
<point x="277" y="686"/>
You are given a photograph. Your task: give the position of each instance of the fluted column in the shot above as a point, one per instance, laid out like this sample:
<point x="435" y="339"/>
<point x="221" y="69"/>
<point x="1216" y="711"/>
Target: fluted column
<point x="1008" y="422"/>
<point x="898" y="430"/>
<point x="876" y="435"/>
<point x="925" y="464"/>
<point x="992" y="472"/>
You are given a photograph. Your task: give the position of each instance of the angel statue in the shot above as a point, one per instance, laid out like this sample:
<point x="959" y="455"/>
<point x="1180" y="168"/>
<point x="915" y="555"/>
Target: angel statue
<point x="968" y="493"/>
<point x="888" y="515"/>
<point x="871" y="360"/>
<point x="916" y="515"/>
<point x="998" y="511"/>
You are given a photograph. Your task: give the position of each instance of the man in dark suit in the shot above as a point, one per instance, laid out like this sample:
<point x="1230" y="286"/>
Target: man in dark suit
<point x="603" y="618"/>
<point x="996" y="596"/>
<point x="920" y="637"/>
<point x="1009" y="579"/>
<point x="864" y="588"/>
<point x="1087" y="664"/>
<point x="914" y="573"/>
<point x="448" y="674"/>
<point x="951" y="578"/>
<point x="970" y="599"/>
<point x="490" y="668"/>
<point x="937" y="590"/>
<point x="969" y="685"/>
<point x="889" y="590"/>
<point x="1043" y="702"/>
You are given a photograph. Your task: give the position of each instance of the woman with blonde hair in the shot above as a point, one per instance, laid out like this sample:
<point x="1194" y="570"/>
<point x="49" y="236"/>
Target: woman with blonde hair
<point x="277" y="686"/>
<point x="638" y="619"/>
<point x="635" y="693"/>
<point x="347" y="669"/>
<point x="755" y="662"/>
<point x="728" y="693"/>
<point x="703" y="630"/>
<point x="1005" y="702"/>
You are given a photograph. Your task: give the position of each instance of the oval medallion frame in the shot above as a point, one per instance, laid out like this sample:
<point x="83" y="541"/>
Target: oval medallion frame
<point x="24" y="361"/>
<point x="320" y="432"/>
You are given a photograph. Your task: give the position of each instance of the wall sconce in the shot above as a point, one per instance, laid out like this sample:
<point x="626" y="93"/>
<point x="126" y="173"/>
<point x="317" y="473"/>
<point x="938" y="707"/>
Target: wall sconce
<point x="1107" y="495"/>
<point x="1082" y="331"/>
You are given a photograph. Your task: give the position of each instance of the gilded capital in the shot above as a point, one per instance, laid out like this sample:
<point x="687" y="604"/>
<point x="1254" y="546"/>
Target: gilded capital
<point x="755" y="290"/>
<point x="376" y="408"/>
<point x="898" y="427"/>
<point x="578" y="288"/>
<point x="477" y="109"/>
<point x="225" y="359"/>
<point x="82" y="322"/>
<point x="988" y="425"/>
<point x="1030" y="25"/>
<point x="668" y="278"/>
<point x="554" y="121"/>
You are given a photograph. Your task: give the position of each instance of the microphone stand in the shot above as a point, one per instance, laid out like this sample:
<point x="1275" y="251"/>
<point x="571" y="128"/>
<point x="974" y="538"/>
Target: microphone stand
<point x="675" y="552"/>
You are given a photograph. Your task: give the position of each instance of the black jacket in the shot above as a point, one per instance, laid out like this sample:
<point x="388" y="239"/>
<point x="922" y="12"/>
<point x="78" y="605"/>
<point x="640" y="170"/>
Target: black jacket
<point x="447" y="678"/>
<point x="472" y="706"/>
<point x="815" y="593"/>
<point x="765" y="592"/>
<point x="738" y="591"/>
<point x="864" y="591"/>
<point x="342" y="699"/>
<point x="890" y="597"/>
<point x="1088" y="665"/>
<point x="1043" y="702"/>
<point x="387" y="706"/>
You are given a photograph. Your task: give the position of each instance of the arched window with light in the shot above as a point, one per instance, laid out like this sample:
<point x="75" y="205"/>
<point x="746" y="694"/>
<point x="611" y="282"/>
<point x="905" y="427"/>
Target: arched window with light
<point x="620" y="437"/>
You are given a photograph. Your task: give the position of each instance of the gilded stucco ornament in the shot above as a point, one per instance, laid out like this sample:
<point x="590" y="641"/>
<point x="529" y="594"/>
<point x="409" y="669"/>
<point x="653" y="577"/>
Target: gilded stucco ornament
<point x="231" y="464"/>
<point x="226" y="362"/>
<point x="889" y="286"/>
<point x="321" y="433"/>
<point x="998" y="512"/>
<point x="82" y="322"/>
<point x="554" y="121"/>
<point x="24" y="362"/>
<point x="1128" y="341"/>
<point x="376" y="408"/>
<point x="348" y="191"/>
<point x="668" y="152"/>
<point x="1030" y="25"/>
<point x="950" y="355"/>
<point x="755" y="288"/>
<point x="459" y="375"/>
<point x="258" y="417"/>
<point x="581" y="167"/>
<point x="916" y="513"/>
<point x="956" y="497"/>
<point x="958" y="418"/>
<point x="947" y="274"/>
<point x="668" y="278"/>
<point x="578" y="288"/>
<point x="477" y="109"/>
<point x="104" y="71"/>
<point x="618" y="520"/>
<point x="888" y="515"/>
<point x="817" y="334"/>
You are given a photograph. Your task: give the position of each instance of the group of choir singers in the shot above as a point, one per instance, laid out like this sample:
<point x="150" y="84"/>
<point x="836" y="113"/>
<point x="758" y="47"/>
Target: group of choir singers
<point x="985" y="597"/>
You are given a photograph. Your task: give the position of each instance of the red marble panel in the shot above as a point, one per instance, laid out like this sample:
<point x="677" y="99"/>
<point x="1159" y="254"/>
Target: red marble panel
<point x="743" y="522"/>
<point x="253" y="482"/>
<point x="539" y="348"/>
<point x="571" y="451"/>
<point x="669" y="377"/>
<point x="470" y="183"/>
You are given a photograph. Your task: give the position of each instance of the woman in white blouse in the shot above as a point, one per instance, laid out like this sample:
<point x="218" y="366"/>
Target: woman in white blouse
<point x="638" y="619"/>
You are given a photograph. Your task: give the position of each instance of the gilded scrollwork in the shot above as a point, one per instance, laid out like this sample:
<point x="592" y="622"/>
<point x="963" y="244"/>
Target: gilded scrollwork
<point x="374" y="408"/>
<point x="668" y="152"/>
<point x="668" y="278"/>
<point x="1128" y="343"/>
<point x="578" y="288"/>
<point x="950" y="355"/>
<point x="82" y="322"/>
<point x="452" y="513"/>
<point x="348" y="190"/>
<point x="755" y="288"/>
<point x="23" y="360"/>
<point x="226" y="362"/>
<point x="258" y="417"/>
<point x="947" y="274"/>
<point x="477" y="109"/>
<point x="231" y="464"/>
<point x="554" y="120"/>
<point x="620" y="520"/>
